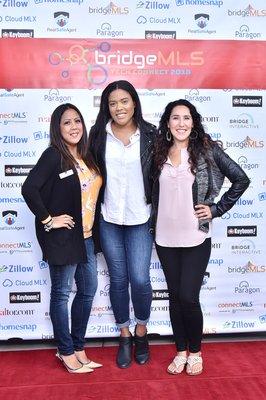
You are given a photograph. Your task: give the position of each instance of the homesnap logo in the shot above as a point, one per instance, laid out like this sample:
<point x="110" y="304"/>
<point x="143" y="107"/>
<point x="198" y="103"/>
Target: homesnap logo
<point x="110" y="9"/>
<point x="160" y="294"/>
<point x="214" y="3"/>
<point x="17" y="170"/>
<point x="243" y="33"/>
<point x="24" y="297"/>
<point x="242" y="230"/>
<point x="72" y="2"/>
<point x="17" y="33"/>
<point x="247" y="101"/>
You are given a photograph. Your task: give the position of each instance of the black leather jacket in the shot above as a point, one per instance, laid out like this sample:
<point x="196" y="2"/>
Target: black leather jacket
<point x="208" y="183"/>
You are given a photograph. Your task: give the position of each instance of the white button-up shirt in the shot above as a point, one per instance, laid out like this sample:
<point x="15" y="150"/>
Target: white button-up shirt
<point x="124" y="196"/>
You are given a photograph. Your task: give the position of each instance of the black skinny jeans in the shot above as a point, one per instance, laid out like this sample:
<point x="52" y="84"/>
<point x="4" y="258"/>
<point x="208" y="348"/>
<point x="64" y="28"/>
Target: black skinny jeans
<point x="184" y="268"/>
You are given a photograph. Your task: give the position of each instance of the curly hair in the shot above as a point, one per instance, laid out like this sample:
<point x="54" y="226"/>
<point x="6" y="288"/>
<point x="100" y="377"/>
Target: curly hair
<point x="199" y="141"/>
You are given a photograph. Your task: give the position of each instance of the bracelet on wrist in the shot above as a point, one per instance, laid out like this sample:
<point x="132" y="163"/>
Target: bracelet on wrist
<point x="49" y="225"/>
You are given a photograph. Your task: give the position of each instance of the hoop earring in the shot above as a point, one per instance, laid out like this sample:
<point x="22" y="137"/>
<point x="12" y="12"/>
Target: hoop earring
<point x="168" y="135"/>
<point x="196" y="134"/>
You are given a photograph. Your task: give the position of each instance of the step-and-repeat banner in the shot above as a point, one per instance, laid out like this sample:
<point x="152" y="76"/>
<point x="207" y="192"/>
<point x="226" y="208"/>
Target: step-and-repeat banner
<point x="210" y="52"/>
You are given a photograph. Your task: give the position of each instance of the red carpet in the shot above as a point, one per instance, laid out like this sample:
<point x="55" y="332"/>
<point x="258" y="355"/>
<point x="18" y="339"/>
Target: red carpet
<point x="231" y="371"/>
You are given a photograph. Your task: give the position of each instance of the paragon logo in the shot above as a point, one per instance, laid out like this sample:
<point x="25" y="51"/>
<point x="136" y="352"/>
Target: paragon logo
<point x="107" y="31"/>
<point x="54" y="95"/>
<point x="243" y="162"/>
<point x="244" y="287"/>
<point x="17" y="170"/>
<point x="160" y="294"/>
<point x="160" y="34"/>
<point x="242" y="230"/>
<point x="243" y="33"/>
<point x="247" y="101"/>
<point x="194" y="95"/>
<point x="24" y="297"/>
<point x="17" y="33"/>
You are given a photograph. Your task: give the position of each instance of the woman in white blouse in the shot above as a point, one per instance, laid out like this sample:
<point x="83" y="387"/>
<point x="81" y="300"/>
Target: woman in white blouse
<point x="122" y="142"/>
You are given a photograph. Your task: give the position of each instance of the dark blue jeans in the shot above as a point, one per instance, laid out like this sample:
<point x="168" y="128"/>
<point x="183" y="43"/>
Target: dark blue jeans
<point x="62" y="277"/>
<point x="127" y="251"/>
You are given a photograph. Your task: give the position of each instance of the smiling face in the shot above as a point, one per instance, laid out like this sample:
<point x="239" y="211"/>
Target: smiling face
<point x="180" y="124"/>
<point x="121" y="107"/>
<point x="71" y="128"/>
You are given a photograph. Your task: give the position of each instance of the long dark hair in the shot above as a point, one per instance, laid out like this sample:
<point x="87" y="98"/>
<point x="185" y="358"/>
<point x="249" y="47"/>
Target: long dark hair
<point x="98" y="131"/>
<point x="57" y="141"/>
<point x="199" y="140"/>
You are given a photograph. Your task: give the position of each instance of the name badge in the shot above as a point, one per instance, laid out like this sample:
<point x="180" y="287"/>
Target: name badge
<point x="66" y="174"/>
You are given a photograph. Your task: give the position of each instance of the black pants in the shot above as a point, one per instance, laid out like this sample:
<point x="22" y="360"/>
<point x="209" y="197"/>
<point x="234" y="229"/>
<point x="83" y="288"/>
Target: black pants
<point x="184" y="269"/>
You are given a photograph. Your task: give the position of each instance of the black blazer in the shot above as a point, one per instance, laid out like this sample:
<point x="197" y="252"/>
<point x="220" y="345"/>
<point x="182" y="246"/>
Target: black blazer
<point x="47" y="190"/>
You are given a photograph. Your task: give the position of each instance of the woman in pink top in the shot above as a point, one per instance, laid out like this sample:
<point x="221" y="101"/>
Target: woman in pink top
<point x="189" y="172"/>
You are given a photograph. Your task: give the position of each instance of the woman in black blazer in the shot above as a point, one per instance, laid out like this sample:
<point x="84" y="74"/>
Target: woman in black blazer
<point x="61" y="191"/>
